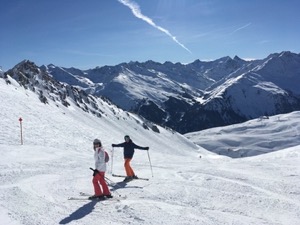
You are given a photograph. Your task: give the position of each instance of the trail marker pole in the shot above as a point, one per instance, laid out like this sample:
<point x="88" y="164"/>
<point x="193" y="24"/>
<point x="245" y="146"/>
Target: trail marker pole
<point x="20" y="119"/>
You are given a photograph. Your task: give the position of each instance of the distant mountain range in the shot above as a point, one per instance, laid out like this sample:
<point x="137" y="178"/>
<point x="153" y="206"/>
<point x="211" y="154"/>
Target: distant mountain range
<point x="184" y="97"/>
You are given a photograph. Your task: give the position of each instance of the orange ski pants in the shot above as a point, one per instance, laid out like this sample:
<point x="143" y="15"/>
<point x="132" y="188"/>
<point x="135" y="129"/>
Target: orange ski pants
<point x="128" y="169"/>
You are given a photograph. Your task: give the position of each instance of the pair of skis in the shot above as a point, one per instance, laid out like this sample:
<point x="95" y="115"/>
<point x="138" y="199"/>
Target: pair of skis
<point x="85" y="196"/>
<point x="139" y="178"/>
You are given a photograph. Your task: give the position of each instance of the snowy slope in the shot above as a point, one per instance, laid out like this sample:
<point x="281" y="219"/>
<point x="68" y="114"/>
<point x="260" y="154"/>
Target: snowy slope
<point x="254" y="137"/>
<point x="284" y="65"/>
<point x="37" y="178"/>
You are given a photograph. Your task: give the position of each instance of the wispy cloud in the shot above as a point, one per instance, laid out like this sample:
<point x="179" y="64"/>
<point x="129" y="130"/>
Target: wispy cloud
<point x="137" y="13"/>
<point x="264" y="42"/>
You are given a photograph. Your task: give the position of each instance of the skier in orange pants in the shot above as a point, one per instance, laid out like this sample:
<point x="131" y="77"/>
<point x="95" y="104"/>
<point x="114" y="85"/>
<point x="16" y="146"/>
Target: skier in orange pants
<point x="129" y="147"/>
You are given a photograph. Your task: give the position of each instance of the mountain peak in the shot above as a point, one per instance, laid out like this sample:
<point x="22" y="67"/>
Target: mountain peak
<point x="236" y="58"/>
<point x="27" y="66"/>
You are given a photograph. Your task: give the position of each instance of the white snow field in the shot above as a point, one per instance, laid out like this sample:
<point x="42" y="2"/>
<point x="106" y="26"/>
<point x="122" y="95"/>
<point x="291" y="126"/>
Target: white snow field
<point x="37" y="178"/>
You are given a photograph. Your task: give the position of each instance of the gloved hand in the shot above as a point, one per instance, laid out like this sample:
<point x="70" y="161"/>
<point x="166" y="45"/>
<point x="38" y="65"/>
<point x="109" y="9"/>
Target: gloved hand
<point x="95" y="172"/>
<point x="147" y="148"/>
<point x="113" y="145"/>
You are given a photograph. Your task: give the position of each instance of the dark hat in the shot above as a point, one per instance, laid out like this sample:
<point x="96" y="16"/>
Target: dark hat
<point x="97" y="141"/>
<point x="126" y="136"/>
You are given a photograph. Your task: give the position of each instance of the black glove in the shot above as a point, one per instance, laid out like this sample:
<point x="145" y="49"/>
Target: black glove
<point x="147" y="148"/>
<point x="113" y="145"/>
<point x="95" y="172"/>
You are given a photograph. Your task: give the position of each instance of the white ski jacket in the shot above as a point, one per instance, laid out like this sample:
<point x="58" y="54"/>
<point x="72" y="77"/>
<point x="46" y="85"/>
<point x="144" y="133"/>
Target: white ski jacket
<point x="99" y="156"/>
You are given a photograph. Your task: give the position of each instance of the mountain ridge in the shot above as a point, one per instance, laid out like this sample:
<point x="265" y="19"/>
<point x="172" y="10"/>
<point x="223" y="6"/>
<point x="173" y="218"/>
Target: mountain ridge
<point x="195" y="96"/>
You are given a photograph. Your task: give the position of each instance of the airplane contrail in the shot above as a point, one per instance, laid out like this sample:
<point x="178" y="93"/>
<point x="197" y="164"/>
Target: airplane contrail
<point x="247" y="25"/>
<point x="137" y="13"/>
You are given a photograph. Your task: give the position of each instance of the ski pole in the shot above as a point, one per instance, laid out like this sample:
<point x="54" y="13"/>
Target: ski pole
<point x="93" y="169"/>
<point x="150" y="163"/>
<point x="112" y="159"/>
<point x="112" y="182"/>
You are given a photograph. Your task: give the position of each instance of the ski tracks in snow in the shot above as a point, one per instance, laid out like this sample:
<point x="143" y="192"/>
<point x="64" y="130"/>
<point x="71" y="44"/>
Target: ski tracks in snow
<point x="249" y="186"/>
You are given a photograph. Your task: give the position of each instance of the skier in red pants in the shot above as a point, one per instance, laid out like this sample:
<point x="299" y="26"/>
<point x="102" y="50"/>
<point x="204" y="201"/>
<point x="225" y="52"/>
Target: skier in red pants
<point x="99" y="172"/>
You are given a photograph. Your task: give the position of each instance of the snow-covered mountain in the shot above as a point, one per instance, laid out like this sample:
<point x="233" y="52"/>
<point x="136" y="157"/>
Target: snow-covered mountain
<point x="194" y="96"/>
<point x="198" y="95"/>
<point x="37" y="178"/>
<point x="49" y="90"/>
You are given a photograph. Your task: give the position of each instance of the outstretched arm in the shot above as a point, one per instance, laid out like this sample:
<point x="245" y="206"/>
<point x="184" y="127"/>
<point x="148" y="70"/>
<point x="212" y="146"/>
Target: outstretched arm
<point x="118" y="145"/>
<point x="139" y="147"/>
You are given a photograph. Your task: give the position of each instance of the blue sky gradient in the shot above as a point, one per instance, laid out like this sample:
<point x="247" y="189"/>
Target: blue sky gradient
<point x="86" y="34"/>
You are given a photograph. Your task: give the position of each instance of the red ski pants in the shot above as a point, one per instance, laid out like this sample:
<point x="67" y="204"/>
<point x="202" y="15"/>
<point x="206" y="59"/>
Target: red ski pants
<point x="98" y="182"/>
<point x="128" y="169"/>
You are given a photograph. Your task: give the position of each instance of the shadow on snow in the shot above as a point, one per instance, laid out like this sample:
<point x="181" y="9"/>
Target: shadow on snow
<point x="122" y="184"/>
<point x="80" y="213"/>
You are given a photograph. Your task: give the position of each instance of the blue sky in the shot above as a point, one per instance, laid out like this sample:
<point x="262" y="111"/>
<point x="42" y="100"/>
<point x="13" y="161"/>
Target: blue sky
<point x="86" y="34"/>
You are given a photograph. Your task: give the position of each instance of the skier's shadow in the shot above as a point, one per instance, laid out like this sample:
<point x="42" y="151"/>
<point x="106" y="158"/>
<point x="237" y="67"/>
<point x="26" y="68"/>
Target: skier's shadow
<point x="122" y="184"/>
<point x="80" y="213"/>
